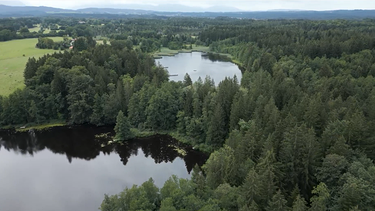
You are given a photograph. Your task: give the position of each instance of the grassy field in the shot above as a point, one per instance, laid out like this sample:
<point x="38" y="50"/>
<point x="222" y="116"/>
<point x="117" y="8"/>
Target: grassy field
<point x="169" y="52"/>
<point x="12" y="62"/>
<point x="38" y="27"/>
<point x="35" y="29"/>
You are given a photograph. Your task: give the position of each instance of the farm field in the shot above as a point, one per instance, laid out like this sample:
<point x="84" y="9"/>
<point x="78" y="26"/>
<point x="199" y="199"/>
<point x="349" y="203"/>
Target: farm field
<point x="12" y="62"/>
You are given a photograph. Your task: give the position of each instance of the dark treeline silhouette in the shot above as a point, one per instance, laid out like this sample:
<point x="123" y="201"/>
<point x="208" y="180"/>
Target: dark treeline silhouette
<point x="87" y="142"/>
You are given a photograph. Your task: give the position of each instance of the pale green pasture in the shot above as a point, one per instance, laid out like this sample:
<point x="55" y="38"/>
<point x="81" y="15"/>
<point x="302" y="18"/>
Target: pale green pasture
<point x="13" y="58"/>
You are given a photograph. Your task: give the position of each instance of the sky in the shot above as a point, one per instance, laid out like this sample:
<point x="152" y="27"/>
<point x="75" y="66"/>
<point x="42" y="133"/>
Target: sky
<point x="248" y="5"/>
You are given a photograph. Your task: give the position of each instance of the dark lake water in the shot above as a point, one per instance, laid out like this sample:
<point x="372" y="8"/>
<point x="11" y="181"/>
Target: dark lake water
<point x="68" y="169"/>
<point x="197" y="65"/>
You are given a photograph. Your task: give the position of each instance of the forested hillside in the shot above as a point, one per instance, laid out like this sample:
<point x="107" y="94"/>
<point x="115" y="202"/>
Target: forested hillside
<point x="296" y="133"/>
<point x="113" y="11"/>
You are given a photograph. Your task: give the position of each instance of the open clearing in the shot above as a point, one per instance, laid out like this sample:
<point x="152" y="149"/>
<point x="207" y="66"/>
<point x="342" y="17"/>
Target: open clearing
<point x="35" y="29"/>
<point x="168" y="52"/>
<point x="38" y="27"/>
<point x="12" y="62"/>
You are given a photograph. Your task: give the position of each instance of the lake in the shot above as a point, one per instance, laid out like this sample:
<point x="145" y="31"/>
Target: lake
<point x="69" y="168"/>
<point x="197" y="65"/>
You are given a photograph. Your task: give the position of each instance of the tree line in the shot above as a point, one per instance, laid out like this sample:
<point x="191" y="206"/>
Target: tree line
<point x="48" y="43"/>
<point x="149" y="34"/>
<point x="19" y="28"/>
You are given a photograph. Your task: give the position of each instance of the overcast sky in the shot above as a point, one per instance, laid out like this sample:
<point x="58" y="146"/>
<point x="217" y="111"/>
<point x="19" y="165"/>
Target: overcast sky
<point x="240" y="4"/>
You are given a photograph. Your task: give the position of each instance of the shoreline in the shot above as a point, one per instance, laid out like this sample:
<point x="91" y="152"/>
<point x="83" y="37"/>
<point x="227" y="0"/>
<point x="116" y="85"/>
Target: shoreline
<point x="34" y="126"/>
<point x="173" y="133"/>
<point x="137" y="133"/>
<point x="167" y="52"/>
<point x="160" y="55"/>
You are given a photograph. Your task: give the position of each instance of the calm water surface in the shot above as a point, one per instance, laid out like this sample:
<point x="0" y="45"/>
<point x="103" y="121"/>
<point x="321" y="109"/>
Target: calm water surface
<point x="197" y="65"/>
<point x="67" y="169"/>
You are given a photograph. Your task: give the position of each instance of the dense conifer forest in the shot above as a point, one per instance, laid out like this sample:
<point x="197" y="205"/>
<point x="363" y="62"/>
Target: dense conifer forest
<point x="296" y="133"/>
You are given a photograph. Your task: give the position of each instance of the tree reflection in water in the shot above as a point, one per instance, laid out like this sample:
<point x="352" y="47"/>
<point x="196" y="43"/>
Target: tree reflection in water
<point x="80" y="142"/>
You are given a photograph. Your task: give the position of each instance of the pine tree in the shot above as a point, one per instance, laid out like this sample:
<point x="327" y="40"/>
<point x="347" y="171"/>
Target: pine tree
<point x="299" y="204"/>
<point x="111" y="107"/>
<point x="197" y="106"/>
<point x="31" y="68"/>
<point x="340" y="148"/>
<point x="120" y="96"/>
<point x="267" y="170"/>
<point x="254" y="206"/>
<point x="355" y="209"/>
<point x="97" y="114"/>
<point x="163" y="107"/>
<point x="333" y="167"/>
<point x="81" y="99"/>
<point x="81" y="44"/>
<point x="188" y="101"/>
<point x="122" y="127"/>
<point x="277" y="203"/>
<point x="251" y="188"/>
<point x="227" y="196"/>
<point x="187" y="80"/>
<point x="167" y="205"/>
<point x="33" y="112"/>
<point x="237" y="111"/>
<point x="199" y="183"/>
<point x="136" y="110"/>
<point x="219" y="167"/>
<point x="321" y="198"/>
<point x="216" y="131"/>
<point x="298" y="155"/>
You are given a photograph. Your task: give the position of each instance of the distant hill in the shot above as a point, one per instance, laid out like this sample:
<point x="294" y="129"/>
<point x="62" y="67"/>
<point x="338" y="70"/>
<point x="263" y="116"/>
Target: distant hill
<point x="222" y="9"/>
<point x="12" y="3"/>
<point x="167" y="8"/>
<point x="154" y="11"/>
<point x="10" y="11"/>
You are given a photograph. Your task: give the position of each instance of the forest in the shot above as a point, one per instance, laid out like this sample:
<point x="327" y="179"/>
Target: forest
<point x="296" y="133"/>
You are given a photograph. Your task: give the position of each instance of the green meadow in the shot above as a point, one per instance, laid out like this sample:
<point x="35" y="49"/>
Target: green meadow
<point x="13" y="61"/>
<point x="168" y="52"/>
<point x="37" y="28"/>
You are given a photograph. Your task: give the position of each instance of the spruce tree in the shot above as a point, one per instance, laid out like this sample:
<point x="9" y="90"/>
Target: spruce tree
<point x="33" y="112"/>
<point x="187" y="80"/>
<point x="251" y="188"/>
<point x="217" y="130"/>
<point x="299" y="204"/>
<point x="122" y="128"/>
<point x="277" y="203"/>
<point x="31" y="68"/>
<point x="320" y="199"/>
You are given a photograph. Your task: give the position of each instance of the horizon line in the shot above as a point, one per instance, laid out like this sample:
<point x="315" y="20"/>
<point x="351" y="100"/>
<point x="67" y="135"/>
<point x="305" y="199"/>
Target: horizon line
<point x="198" y="7"/>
